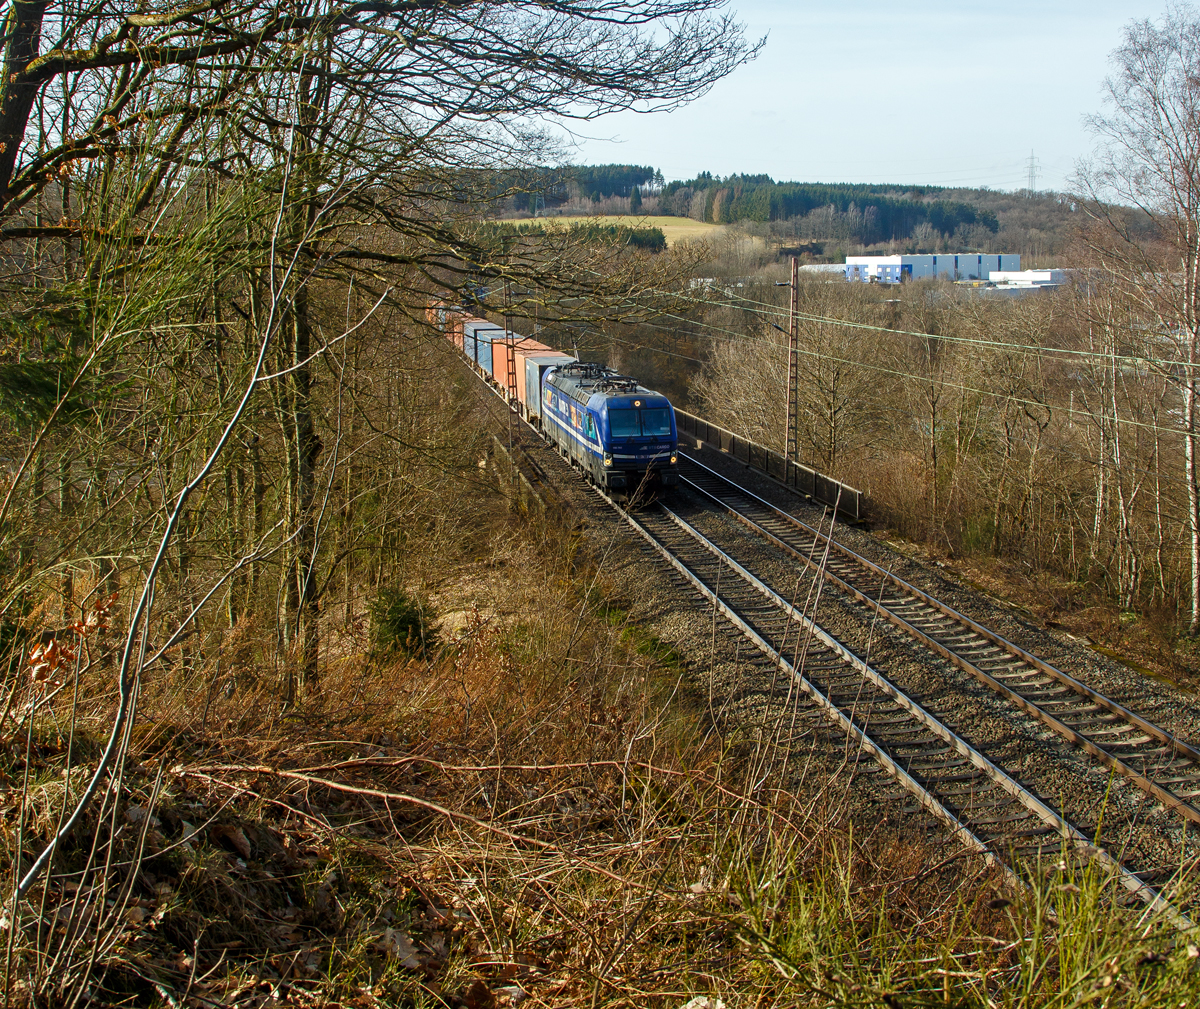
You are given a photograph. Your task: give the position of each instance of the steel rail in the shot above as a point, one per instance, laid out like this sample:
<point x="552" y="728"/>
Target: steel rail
<point x="1178" y="748"/>
<point x="928" y="800"/>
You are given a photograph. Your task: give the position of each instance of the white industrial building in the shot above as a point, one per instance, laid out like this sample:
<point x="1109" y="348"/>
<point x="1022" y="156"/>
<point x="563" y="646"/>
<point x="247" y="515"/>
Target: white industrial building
<point x="1025" y="280"/>
<point x="949" y="266"/>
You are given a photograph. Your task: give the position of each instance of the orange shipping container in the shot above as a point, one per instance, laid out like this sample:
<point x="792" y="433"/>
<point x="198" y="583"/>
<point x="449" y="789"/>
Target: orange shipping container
<point x="503" y="349"/>
<point x="525" y="350"/>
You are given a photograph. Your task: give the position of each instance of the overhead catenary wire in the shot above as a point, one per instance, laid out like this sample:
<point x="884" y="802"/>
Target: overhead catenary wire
<point x="1056" y="451"/>
<point x="973" y="341"/>
<point x="943" y="337"/>
<point x="731" y="336"/>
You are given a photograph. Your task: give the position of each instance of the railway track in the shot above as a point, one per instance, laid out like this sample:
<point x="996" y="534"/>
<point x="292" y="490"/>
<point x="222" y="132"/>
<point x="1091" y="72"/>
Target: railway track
<point x="979" y="802"/>
<point x="1162" y="766"/>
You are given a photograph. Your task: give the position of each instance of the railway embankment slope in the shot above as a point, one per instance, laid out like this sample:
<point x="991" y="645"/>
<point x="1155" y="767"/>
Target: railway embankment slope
<point x="576" y="788"/>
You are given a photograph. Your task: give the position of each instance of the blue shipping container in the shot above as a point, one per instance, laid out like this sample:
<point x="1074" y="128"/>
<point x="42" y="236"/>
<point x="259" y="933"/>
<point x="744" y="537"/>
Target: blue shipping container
<point x="477" y="342"/>
<point x="535" y="367"/>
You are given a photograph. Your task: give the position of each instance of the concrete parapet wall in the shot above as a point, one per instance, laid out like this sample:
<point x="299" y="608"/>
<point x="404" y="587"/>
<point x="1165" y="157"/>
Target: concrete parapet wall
<point x="825" y="490"/>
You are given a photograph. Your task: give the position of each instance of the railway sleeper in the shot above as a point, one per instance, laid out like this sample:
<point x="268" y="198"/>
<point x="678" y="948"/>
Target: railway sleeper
<point x="818" y="668"/>
<point x="1121" y="739"/>
<point x="1077" y="707"/>
<point x="1003" y="803"/>
<point x="841" y="568"/>
<point x="1001" y="667"/>
<point x="904" y="739"/>
<point x="980" y="655"/>
<point x="938" y="779"/>
<point x="899" y="736"/>
<point x="896" y="719"/>
<point x="1119" y="733"/>
<point x="861" y="702"/>
<point x="998" y="667"/>
<point x="1032" y="686"/>
<point x="1110" y="726"/>
<point x="931" y="755"/>
<point x="1016" y="817"/>
<point x="1194" y="793"/>
<point x="944" y="628"/>
<point x="1140" y="760"/>
<point x="854" y="695"/>
<point x="959" y="640"/>
<point x="926" y="619"/>
<point x="935" y="630"/>
<point x="933" y="769"/>
<point x="851" y="681"/>
<point x="935" y="623"/>
<point x="1027" y="849"/>
<point x="923" y="741"/>
<point x="998" y="673"/>
<point x="940" y="769"/>
<point x="903" y="749"/>
<point x="1039" y="699"/>
<point x="1181" y="779"/>
<point x="1121" y="742"/>
<point x="969" y="794"/>
<point x="1032" y="680"/>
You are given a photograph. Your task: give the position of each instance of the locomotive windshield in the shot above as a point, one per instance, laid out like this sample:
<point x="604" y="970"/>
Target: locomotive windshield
<point x="624" y="423"/>
<point x="656" y="422"/>
<point x="637" y="423"/>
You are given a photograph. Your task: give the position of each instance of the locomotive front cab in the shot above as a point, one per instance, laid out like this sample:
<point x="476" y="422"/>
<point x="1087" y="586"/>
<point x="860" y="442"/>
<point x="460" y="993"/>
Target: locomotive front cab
<point x="639" y="438"/>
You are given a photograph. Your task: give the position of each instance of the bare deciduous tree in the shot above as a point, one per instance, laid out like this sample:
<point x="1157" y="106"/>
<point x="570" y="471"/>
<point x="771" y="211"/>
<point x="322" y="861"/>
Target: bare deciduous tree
<point x="213" y="217"/>
<point x="1149" y="159"/>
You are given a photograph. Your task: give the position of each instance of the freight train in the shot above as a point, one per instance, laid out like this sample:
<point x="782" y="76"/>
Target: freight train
<point x="620" y="435"/>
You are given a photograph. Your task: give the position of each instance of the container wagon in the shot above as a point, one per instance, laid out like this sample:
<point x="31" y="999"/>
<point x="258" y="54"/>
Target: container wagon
<point x="620" y="434"/>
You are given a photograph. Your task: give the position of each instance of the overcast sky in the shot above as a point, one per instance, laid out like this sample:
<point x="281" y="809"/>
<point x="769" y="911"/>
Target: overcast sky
<point x="945" y="93"/>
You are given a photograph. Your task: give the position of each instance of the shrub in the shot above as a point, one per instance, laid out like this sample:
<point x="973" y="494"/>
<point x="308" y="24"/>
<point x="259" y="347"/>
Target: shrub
<point x="401" y="623"/>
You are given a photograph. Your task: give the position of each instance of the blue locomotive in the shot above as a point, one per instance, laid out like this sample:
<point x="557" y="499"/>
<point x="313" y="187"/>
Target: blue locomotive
<point x="620" y="434"/>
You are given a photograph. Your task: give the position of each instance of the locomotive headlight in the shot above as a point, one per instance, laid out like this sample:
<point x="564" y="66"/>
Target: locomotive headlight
<point x="607" y="459"/>
<point x="673" y="460"/>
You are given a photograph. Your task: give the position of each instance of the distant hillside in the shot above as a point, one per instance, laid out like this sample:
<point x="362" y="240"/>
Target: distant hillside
<point x="822" y="221"/>
<point x="844" y="217"/>
<point x="1037" y="225"/>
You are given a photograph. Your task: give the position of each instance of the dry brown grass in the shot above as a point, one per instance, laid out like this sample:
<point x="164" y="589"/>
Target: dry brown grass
<point x="528" y="816"/>
<point x="526" y="808"/>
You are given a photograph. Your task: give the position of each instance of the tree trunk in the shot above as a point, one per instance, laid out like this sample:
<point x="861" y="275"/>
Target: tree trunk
<point x="1193" y="493"/>
<point x="1001" y="488"/>
<point x="24" y="33"/>
<point x="308" y="448"/>
<point x="66" y="507"/>
<point x="259" y="482"/>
